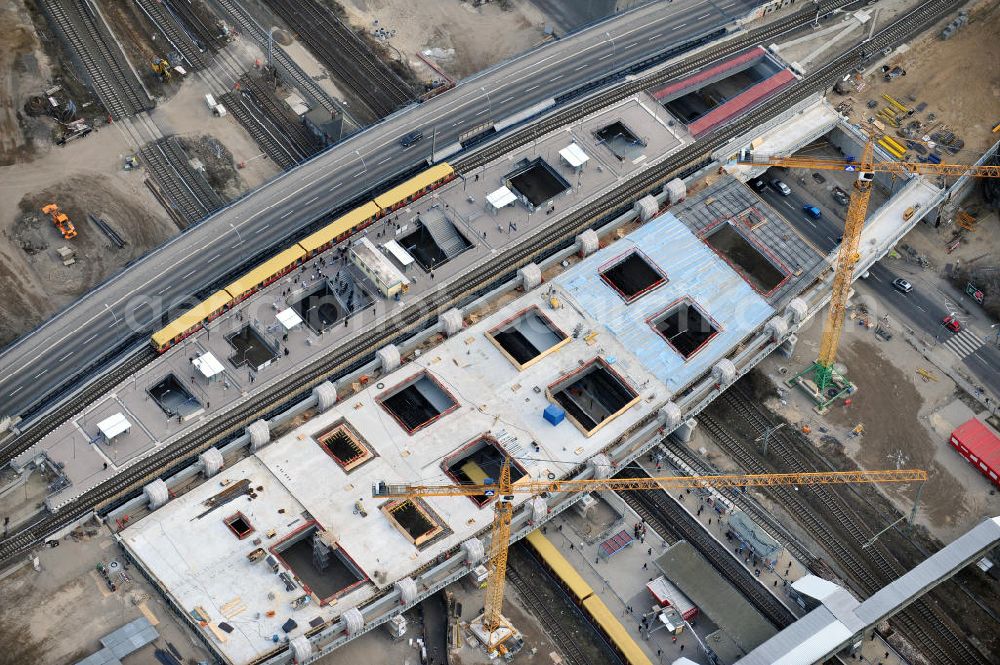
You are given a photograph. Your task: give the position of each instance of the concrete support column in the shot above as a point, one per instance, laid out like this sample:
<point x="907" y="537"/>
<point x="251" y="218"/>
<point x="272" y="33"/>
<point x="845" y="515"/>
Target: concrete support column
<point x="388" y="358"/>
<point x="260" y="435"/>
<point x="156" y="494"/>
<point x="724" y="372"/>
<point x="777" y="328"/>
<point x="451" y="322"/>
<point x="301" y="648"/>
<point x="686" y="429"/>
<point x="646" y="207"/>
<point x="788" y="347"/>
<point x="211" y="462"/>
<point x="601" y="466"/>
<point x="797" y="310"/>
<point x="670" y="416"/>
<point x="407" y="589"/>
<point x="354" y="621"/>
<point x="326" y="396"/>
<point x="587" y="242"/>
<point x="676" y="190"/>
<point x="474" y="551"/>
<point x="530" y="276"/>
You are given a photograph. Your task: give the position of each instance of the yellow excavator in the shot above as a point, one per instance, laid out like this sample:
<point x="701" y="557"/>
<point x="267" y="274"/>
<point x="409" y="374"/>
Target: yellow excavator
<point x="162" y="68"/>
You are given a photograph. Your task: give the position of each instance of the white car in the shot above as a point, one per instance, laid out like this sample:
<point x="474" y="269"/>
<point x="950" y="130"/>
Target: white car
<point x="782" y="188"/>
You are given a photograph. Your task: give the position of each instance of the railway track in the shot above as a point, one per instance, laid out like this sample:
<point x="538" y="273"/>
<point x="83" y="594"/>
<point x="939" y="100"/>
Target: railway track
<point x="204" y="36"/>
<point x="132" y="363"/>
<point x="186" y="189"/>
<point x="922" y="623"/>
<point x="161" y="17"/>
<point x="355" y="351"/>
<point x="282" y="61"/>
<point x="115" y="84"/>
<point x="749" y="506"/>
<point x="673" y="523"/>
<point x="347" y="56"/>
<point x="527" y="585"/>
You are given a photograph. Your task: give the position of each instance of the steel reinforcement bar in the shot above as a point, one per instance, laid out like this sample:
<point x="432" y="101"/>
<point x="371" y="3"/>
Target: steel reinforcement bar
<point x="471" y="284"/>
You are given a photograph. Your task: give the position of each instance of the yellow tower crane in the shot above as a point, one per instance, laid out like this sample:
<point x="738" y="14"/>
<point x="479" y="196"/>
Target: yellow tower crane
<point x="494" y="627"/>
<point x="822" y="371"/>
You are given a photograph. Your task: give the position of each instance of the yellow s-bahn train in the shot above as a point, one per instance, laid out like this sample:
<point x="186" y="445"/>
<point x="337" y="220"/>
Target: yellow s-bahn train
<point x="287" y="260"/>
<point x="583" y="595"/>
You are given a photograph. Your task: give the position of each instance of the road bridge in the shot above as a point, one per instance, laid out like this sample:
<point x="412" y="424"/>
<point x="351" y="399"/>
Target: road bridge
<point x="116" y="316"/>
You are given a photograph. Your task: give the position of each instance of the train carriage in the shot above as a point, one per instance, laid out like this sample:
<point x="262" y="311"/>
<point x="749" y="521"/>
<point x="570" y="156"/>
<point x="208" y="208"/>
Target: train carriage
<point x="340" y="229"/>
<point x="612" y="628"/>
<point x="267" y="272"/>
<point x="553" y="559"/>
<point x="191" y="320"/>
<point x="414" y="188"/>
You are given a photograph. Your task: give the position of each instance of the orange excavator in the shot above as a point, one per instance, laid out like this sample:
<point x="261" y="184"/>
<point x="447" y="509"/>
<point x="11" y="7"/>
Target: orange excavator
<point x="61" y="221"/>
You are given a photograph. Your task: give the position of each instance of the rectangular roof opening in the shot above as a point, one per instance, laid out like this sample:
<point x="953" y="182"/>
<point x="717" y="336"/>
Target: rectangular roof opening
<point x="685" y="327"/>
<point x="239" y="525"/>
<point x="753" y="263"/>
<point x="527" y="337"/>
<point x="593" y="395"/>
<point x="620" y="140"/>
<point x="417" y="402"/>
<point x="320" y="565"/>
<point x="632" y="275"/>
<point x="345" y="446"/>
<point x="477" y="461"/>
<point x="536" y="181"/>
<point x="415" y="520"/>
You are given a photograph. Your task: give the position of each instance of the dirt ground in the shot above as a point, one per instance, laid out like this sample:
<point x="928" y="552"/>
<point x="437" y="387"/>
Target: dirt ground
<point x="36" y="282"/>
<point x="955" y="78"/>
<point x="68" y="598"/>
<point x="907" y="421"/>
<point x="459" y="38"/>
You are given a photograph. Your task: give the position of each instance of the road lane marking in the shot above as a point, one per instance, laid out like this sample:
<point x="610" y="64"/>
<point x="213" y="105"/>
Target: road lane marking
<point x="505" y="100"/>
<point x="360" y="173"/>
<point x="630" y="45"/>
<point x="480" y="113"/>
<point x="90" y="338"/>
<point x="580" y="67"/>
<point x="336" y="186"/>
<point x="213" y="258"/>
<point x="605" y="57"/>
<point x="704" y="16"/>
<point x="531" y="88"/>
<point x="44" y="371"/>
<point x="261" y="229"/>
<point x="188" y="275"/>
<point x="284" y="190"/>
<point x="16" y="391"/>
<point x="286" y="214"/>
<point x="162" y="290"/>
<point x="382" y="162"/>
<point x="656" y="36"/>
<point x="66" y="356"/>
<point x="555" y="78"/>
<point x="310" y="200"/>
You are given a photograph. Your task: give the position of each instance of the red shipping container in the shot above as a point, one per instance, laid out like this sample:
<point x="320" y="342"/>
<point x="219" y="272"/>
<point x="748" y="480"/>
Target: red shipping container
<point x="980" y="446"/>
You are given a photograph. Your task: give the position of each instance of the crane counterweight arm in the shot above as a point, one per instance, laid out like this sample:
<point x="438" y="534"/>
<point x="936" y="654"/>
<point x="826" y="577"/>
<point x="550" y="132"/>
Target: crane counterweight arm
<point x="526" y="486"/>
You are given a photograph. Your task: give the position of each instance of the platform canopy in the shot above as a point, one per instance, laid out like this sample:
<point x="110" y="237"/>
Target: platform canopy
<point x="501" y="198"/>
<point x="288" y="318"/>
<point x="114" y="426"/>
<point x="208" y="365"/>
<point x="398" y="253"/>
<point x="574" y="155"/>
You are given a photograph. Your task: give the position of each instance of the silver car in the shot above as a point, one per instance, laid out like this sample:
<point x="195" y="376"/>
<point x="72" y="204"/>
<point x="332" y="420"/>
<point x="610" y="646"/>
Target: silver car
<point x="902" y="285"/>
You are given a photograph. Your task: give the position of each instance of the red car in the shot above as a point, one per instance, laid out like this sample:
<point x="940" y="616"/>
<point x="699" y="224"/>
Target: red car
<point x="952" y="324"/>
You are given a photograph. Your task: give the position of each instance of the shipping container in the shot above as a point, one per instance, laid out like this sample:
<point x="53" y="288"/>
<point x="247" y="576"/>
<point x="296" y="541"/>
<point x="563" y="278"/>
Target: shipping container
<point x="980" y="445"/>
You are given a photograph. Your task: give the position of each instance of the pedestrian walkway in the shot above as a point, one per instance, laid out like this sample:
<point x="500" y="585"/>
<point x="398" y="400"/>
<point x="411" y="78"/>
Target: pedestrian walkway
<point x="964" y="343"/>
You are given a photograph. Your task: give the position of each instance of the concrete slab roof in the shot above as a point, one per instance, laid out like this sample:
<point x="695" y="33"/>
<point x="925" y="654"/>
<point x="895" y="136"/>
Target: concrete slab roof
<point x="692" y="271"/>
<point x="716" y="597"/>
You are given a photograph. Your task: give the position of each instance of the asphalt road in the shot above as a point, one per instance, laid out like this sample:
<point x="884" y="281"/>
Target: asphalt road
<point x="137" y="300"/>
<point x="924" y="308"/>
